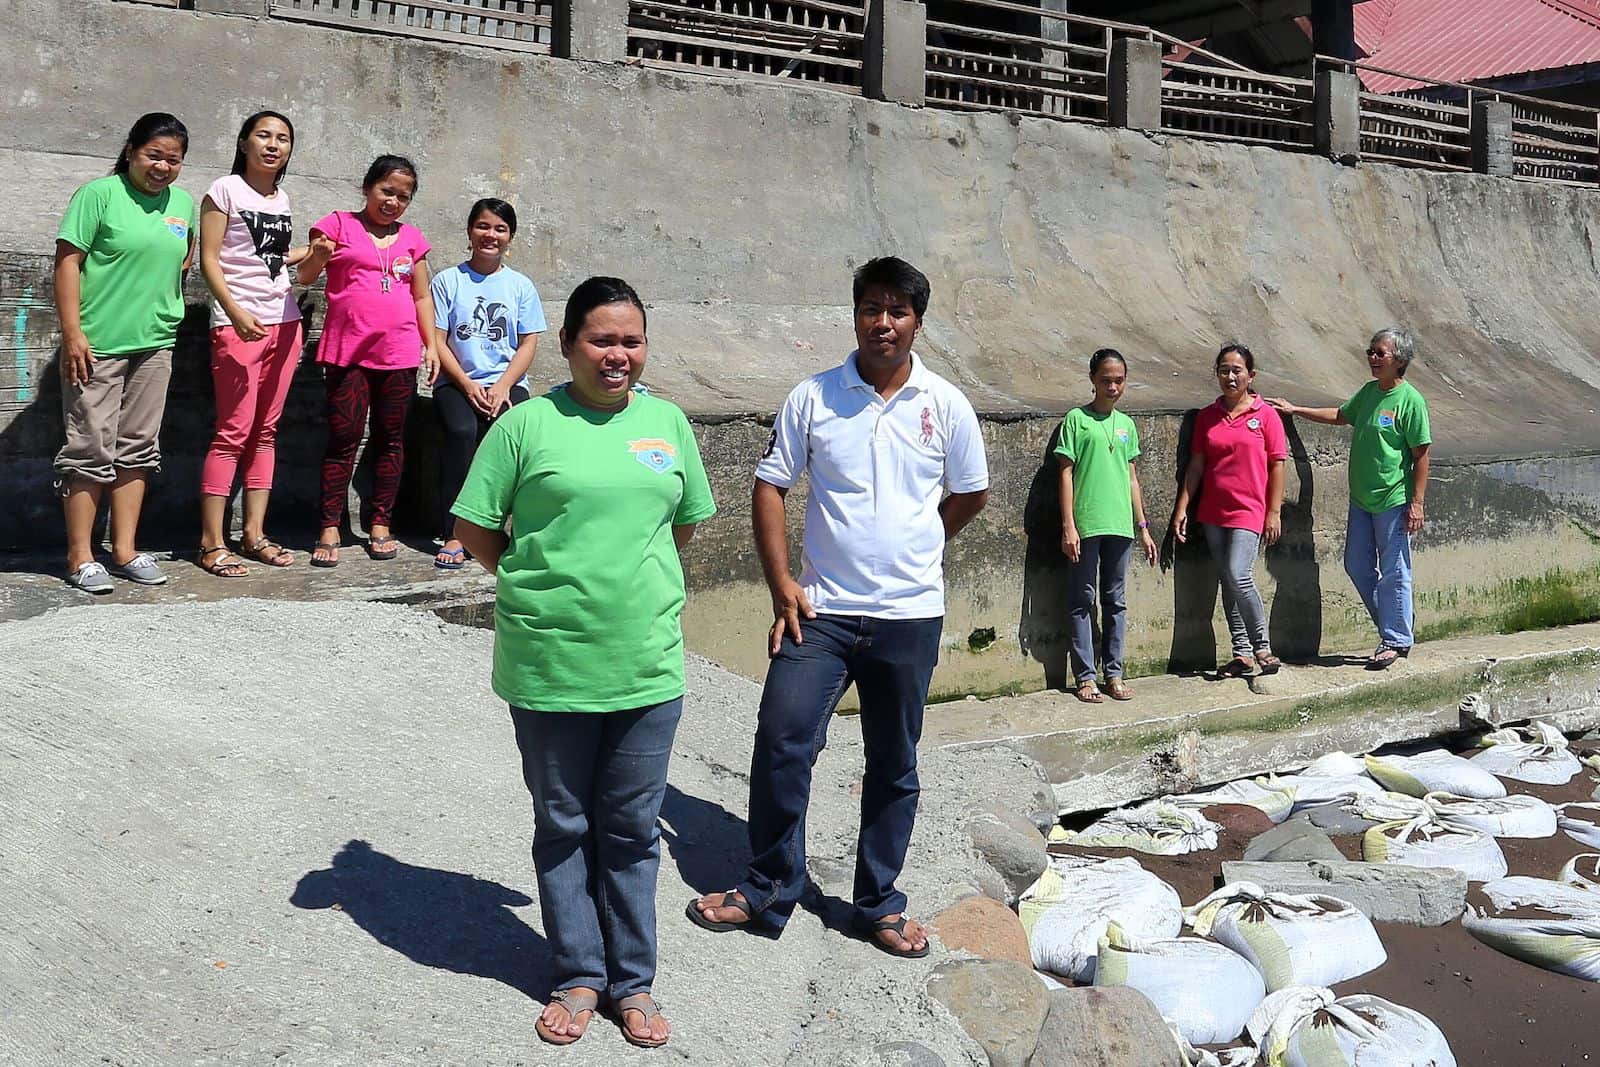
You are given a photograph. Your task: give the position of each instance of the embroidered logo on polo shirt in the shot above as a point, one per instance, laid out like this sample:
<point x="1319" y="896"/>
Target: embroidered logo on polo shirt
<point x="1254" y="424"/>
<point x="654" y="453"/>
<point x="178" y="227"/>
<point x="403" y="266"/>
<point x="927" y="427"/>
<point x="1122" y="435"/>
<point x="1386" y="419"/>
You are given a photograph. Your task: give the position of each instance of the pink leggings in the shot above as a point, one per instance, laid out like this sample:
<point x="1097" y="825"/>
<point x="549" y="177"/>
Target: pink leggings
<point x="252" y="380"/>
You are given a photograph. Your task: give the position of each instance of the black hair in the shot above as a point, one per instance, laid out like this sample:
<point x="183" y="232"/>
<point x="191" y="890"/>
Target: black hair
<point x="1103" y="354"/>
<point x="147" y="129"/>
<point x="386" y="165"/>
<point x="1244" y="354"/>
<point x="505" y="211"/>
<point x="894" y="273"/>
<point x="247" y="129"/>
<point x="597" y="292"/>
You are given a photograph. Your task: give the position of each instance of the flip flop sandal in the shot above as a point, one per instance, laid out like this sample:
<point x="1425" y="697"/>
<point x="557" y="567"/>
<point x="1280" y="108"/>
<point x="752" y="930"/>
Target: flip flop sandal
<point x="1237" y="667"/>
<point x="730" y="899"/>
<point x="1384" y="658"/>
<point x="457" y="559"/>
<point x="645" y="1005"/>
<point x="1267" y="663"/>
<point x="325" y="561"/>
<point x="1088" y="693"/>
<point x="576" y="1000"/>
<point x="1116" y="689"/>
<point x="899" y="927"/>
<point x="224" y="564"/>
<point x="383" y="547"/>
<point x="268" y="552"/>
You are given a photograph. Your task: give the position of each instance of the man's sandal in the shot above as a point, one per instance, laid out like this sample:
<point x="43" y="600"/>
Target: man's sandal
<point x="899" y="927"/>
<point x="1089" y="693"/>
<point x="576" y="1001"/>
<point x="224" y="564"/>
<point x="730" y="899"/>
<point x="645" y="1006"/>
<point x="1117" y="689"/>
<point x="267" y="551"/>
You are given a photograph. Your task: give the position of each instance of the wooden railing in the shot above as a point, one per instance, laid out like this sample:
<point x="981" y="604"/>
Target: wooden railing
<point x="814" y="41"/>
<point x="1554" y="142"/>
<point x="523" y="25"/>
<point x="1236" y="105"/>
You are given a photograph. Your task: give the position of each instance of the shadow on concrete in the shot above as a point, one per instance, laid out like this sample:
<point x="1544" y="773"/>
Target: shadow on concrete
<point x="1044" y="631"/>
<point x="1294" y="622"/>
<point x="442" y="919"/>
<point x="1194" y="577"/>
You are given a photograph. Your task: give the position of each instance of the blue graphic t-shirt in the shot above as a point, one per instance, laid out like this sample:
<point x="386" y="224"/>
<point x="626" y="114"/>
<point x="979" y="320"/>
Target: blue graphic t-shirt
<point x="483" y="315"/>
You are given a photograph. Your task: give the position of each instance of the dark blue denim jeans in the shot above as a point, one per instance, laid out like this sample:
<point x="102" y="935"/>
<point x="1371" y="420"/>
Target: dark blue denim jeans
<point x="890" y="661"/>
<point x="597" y="779"/>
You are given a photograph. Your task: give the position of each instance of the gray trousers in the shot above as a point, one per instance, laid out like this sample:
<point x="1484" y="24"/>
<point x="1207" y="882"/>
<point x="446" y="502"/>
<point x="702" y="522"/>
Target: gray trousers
<point x="1102" y="567"/>
<point x="1234" y="552"/>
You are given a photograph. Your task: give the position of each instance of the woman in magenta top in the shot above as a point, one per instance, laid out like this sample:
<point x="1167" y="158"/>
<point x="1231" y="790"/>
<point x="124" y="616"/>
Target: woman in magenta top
<point x="379" y="328"/>
<point x="1236" y="469"/>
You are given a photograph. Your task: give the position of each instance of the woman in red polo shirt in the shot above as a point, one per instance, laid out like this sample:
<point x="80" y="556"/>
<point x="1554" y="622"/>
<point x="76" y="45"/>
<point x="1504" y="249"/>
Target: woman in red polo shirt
<point x="1236" y="469"/>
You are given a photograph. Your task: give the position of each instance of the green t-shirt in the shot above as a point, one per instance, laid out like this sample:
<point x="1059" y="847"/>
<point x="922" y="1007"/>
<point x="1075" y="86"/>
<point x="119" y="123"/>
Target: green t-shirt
<point x="131" y="295"/>
<point x="1100" y="448"/>
<point x="590" y="588"/>
<point x="1387" y="427"/>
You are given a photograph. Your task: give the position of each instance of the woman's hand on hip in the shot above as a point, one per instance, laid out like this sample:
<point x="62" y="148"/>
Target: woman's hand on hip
<point x="77" y="360"/>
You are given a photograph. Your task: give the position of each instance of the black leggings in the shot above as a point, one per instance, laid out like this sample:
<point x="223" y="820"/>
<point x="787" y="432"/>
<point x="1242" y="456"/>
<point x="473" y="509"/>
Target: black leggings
<point x="464" y="426"/>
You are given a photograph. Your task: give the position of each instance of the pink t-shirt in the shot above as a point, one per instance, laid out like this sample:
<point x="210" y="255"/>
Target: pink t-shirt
<point x="253" y="249"/>
<point x="366" y="326"/>
<point x="1237" y="450"/>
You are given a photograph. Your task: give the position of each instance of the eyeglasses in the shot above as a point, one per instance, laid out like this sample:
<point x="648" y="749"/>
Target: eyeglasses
<point x="1378" y="353"/>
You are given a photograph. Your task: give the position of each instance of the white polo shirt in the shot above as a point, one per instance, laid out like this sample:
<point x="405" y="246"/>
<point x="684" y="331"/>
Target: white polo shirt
<point x="874" y="542"/>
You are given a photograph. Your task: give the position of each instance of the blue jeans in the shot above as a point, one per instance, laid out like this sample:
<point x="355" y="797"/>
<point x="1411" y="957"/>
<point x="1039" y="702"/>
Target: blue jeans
<point x="597" y="779"/>
<point x="1102" y="566"/>
<point x="890" y="661"/>
<point x="1377" y="557"/>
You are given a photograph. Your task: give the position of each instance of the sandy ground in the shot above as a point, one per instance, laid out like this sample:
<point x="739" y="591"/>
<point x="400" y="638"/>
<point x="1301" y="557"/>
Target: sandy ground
<point x="259" y="832"/>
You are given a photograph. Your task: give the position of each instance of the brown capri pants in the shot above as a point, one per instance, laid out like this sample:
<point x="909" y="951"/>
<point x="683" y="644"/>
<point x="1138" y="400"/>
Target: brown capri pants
<point x="113" y="421"/>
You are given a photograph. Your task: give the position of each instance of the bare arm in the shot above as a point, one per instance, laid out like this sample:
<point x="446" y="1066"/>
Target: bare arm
<point x="77" y="361"/>
<point x="1070" y="543"/>
<point x="321" y="250"/>
<point x="1419" y="488"/>
<point x="958" y="509"/>
<point x="213" y="227"/>
<point x="449" y="365"/>
<point x="1139" y="522"/>
<point x="1191" y="485"/>
<point x="485" y="545"/>
<point x="1274" y="527"/>
<point x="422" y="295"/>
<point x="1326" y="416"/>
<point x="789" y="601"/>
<point x="521" y="360"/>
<point x="681" y="536"/>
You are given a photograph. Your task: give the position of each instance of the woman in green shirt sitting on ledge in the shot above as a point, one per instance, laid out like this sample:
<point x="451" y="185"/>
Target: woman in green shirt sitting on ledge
<point x="603" y="486"/>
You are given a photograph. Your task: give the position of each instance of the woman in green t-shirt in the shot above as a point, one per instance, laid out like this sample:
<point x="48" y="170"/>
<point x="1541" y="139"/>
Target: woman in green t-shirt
<point x="123" y="246"/>
<point x="602" y="485"/>
<point x="1101" y="506"/>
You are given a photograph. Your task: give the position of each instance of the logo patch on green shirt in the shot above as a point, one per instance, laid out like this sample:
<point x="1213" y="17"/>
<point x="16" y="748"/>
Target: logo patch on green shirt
<point x="654" y="453"/>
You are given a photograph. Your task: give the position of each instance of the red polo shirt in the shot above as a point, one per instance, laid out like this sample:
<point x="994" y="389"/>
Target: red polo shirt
<point x="1233" y="492"/>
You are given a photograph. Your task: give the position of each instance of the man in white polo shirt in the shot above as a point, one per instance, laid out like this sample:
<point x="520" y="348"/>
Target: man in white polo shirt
<point x="882" y="438"/>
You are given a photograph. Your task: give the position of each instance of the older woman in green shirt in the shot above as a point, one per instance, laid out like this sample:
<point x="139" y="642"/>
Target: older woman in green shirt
<point x="603" y="485"/>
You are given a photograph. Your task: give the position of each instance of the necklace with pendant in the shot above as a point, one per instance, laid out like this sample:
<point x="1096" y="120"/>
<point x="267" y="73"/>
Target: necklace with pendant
<point x="384" y="259"/>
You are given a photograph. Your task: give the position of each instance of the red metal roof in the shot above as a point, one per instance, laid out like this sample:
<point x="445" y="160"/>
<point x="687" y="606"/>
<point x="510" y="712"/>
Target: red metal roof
<point x="1467" y="40"/>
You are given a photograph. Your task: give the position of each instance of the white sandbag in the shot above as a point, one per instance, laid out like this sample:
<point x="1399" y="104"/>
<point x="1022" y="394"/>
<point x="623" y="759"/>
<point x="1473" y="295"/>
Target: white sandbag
<point x="1268" y="794"/>
<point x="1384" y="806"/>
<point x="1190" y="1056"/>
<point x="1434" y="771"/>
<point x="1581" y="822"/>
<point x="1311" y="1027"/>
<point x="1426" y="842"/>
<point x="1048" y="981"/>
<point x="1538" y="754"/>
<point x="1582" y="870"/>
<point x="1313" y="791"/>
<point x="1291" y="939"/>
<point x="1512" y="816"/>
<point x="1158" y="828"/>
<point x="1065" y="912"/>
<point x="1566" y="941"/>
<point x="1335" y="765"/>
<point x="1203" y="989"/>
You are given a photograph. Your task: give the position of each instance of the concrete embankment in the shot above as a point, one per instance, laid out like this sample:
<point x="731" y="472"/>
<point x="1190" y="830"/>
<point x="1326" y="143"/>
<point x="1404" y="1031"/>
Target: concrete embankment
<point x="738" y="210"/>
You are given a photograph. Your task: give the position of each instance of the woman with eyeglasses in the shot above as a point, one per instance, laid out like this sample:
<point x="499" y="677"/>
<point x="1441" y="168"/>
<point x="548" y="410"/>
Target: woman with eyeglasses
<point x="1236" y="470"/>
<point x="1388" y="480"/>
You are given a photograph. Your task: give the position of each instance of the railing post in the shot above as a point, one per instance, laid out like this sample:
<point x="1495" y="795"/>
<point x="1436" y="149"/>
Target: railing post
<point x="259" y="8"/>
<point x="895" y="53"/>
<point x="1133" y="84"/>
<point x="1491" y="138"/>
<point x="1338" y="125"/>
<point x="595" y="30"/>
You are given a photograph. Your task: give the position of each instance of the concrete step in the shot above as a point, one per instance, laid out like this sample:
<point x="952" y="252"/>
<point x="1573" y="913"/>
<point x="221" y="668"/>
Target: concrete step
<point x="1182" y="733"/>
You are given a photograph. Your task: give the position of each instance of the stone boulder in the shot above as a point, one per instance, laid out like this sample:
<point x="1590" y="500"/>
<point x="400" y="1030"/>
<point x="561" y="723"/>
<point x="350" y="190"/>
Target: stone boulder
<point x="983" y="927"/>
<point x="1386" y="892"/>
<point x="1011" y="844"/>
<point x="1114" y="1026"/>
<point x="1297" y="839"/>
<point x="1001" y="1005"/>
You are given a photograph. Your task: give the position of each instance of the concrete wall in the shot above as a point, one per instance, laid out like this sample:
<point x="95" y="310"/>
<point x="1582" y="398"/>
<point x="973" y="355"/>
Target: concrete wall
<point x="738" y="210"/>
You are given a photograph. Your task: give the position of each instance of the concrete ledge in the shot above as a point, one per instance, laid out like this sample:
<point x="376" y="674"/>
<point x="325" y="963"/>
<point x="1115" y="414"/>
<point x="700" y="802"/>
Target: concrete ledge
<point x="1103" y="755"/>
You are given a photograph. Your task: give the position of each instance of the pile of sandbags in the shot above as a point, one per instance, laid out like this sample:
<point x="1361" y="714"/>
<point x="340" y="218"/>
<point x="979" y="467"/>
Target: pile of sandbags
<point x="1066" y="912"/>
<point x="1550" y="924"/>
<point x="1305" y="1026"/>
<point x="1537" y="754"/>
<point x="1434" y="771"/>
<point x="1160" y="828"/>
<point x="1204" y="990"/>
<point x="1291" y="939"/>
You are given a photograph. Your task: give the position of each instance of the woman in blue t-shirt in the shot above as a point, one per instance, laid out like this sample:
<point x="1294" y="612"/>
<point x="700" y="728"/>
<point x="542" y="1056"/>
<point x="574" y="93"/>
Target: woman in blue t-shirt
<point x="489" y="318"/>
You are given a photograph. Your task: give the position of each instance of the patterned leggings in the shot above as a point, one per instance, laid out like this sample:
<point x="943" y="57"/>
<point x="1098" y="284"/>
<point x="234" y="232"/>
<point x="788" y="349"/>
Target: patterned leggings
<point x="351" y="392"/>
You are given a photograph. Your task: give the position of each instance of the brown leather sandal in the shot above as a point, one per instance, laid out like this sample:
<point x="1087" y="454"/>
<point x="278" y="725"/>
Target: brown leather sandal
<point x="1117" y="689"/>
<point x="267" y="551"/>
<point x="577" y="1001"/>
<point x="224" y="564"/>
<point x="1089" y="693"/>
<point x="644" y="1005"/>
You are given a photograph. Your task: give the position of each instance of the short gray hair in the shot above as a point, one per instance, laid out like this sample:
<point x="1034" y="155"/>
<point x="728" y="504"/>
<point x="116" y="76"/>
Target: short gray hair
<point x="1405" y="346"/>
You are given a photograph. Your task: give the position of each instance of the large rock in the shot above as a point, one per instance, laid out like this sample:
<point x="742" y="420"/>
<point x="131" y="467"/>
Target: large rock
<point x="1114" y="1026"/>
<point x="1297" y="839"/>
<point x="845" y="1052"/>
<point x="1001" y="1005"/>
<point x="1331" y="818"/>
<point x="1011" y="844"/>
<point x="985" y="928"/>
<point x="1386" y="892"/>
